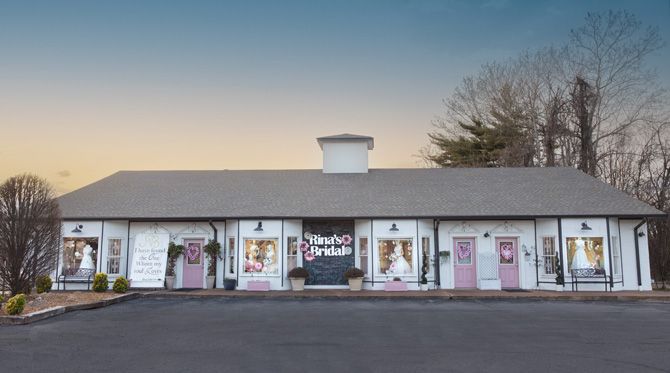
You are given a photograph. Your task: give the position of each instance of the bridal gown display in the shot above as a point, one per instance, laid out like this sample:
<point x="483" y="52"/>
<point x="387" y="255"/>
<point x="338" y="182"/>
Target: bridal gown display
<point x="87" y="260"/>
<point x="579" y="259"/>
<point x="401" y="265"/>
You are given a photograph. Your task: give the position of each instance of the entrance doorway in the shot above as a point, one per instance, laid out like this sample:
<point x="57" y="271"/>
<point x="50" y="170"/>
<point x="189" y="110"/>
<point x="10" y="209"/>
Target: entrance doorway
<point x="508" y="261"/>
<point x="465" y="263"/>
<point x="193" y="265"/>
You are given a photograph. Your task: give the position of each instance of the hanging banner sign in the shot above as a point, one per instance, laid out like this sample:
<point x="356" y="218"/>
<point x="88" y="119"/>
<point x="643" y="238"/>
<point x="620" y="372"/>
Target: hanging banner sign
<point x="148" y="265"/>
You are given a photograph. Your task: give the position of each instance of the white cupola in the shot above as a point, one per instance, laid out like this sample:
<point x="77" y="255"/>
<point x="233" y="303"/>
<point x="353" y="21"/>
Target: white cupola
<point x="345" y="153"/>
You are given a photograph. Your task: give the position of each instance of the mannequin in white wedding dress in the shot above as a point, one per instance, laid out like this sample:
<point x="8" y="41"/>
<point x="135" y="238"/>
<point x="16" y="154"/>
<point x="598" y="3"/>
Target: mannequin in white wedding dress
<point x="87" y="259"/>
<point x="579" y="258"/>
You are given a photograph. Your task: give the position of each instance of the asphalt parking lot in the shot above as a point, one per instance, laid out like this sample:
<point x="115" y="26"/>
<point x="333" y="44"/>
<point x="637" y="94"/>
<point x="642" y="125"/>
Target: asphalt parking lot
<point x="316" y="335"/>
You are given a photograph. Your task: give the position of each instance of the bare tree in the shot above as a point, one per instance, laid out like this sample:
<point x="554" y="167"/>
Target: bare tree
<point x="30" y="228"/>
<point x="613" y="91"/>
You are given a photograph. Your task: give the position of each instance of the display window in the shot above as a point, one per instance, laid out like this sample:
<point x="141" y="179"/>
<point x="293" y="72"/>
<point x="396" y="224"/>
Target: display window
<point x="79" y="253"/>
<point x="395" y="256"/>
<point x="260" y="256"/>
<point x="585" y="252"/>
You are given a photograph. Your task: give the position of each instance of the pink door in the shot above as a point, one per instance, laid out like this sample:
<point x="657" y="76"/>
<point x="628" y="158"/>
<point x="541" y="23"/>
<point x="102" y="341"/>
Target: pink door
<point x="508" y="262"/>
<point x="193" y="265"/>
<point x="465" y="263"/>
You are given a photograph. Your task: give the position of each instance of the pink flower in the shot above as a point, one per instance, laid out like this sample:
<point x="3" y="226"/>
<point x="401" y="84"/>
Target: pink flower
<point x="248" y="266"/>
<point x="309" y="256"/>
<point x="304" y="246"/>
<point x="346" y="239"/>
<point x="258" y="266"/>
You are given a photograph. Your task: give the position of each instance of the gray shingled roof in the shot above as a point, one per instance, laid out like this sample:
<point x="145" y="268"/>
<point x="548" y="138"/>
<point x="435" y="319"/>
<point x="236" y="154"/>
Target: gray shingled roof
<point x="393" y="193"/>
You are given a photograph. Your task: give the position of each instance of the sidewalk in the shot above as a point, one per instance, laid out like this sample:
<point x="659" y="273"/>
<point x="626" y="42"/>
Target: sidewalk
<point x="658" y="296"/>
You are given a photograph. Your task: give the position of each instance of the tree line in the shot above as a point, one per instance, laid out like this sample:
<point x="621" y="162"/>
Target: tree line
<point x="591" y="103"/>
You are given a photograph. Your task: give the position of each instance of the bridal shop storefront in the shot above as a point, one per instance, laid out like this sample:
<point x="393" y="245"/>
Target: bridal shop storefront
<point x="490" y="254"/>
<point x="465" y="228"/>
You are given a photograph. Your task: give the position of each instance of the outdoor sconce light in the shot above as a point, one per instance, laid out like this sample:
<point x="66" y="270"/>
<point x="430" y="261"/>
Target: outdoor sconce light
<point x="394" y="228"/>
<point x="585" y="227"/>
<point x="487" y="234"/>
<point x="77" y="228"/>
<point x="259" y="228"/>
<point x="640" y="234"/>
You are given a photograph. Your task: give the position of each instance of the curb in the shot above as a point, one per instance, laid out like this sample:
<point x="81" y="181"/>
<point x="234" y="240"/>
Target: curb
<point x="55" y="311"/>
<point x="448" y="296"/>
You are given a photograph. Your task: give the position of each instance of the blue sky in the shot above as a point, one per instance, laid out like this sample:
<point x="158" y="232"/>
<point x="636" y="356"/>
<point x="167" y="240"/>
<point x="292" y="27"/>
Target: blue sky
<point x="250" y="84"/>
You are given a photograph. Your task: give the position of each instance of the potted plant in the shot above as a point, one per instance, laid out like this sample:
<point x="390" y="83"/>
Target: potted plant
<point x="174" y="251"/>
<point x="424" y="272"/>
<point x="212" y="251"/>
<point x="355" y="277"/>
<point x="444" y="256"/>
<point x="298" y="276"/>
<point x="559" y="275"/>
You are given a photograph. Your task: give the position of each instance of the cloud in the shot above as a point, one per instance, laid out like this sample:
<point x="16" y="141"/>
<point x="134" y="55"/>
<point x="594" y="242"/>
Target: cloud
<point x="64" y="173"/>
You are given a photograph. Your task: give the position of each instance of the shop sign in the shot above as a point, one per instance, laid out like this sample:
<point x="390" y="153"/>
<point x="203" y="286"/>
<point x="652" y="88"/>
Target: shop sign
<point x="334" y="245"/>
<point x="147" y="269"/>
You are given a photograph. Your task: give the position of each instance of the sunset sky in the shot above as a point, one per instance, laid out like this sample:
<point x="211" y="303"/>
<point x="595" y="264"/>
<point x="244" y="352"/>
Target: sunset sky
<point x="92" y="87"/>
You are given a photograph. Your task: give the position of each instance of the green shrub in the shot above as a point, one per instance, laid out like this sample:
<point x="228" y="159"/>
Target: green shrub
<point x="100" y="283"/>
<point x="15" y="304"/>
<point x="121" y="285"/>
<point x="43" y="284"/>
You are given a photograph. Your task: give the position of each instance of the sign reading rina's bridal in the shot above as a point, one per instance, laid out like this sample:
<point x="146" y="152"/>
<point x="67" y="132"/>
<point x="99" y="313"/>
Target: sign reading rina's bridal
<point x="147" y="269"/>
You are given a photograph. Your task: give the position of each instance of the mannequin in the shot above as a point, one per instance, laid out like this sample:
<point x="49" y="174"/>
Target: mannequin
<point x="268" y="261"/>
<point x="579" y="258"/>
<point x="399" y="265"/>
<point x="87" y="260"/>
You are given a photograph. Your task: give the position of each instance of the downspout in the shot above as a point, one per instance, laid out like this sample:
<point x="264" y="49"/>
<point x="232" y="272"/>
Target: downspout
<point x="637" y="251"/>
<point x="609" y="252"/>
<point x="436" y="225"/>
<point x="216" y="232"/>
<point x="560" y="249"/>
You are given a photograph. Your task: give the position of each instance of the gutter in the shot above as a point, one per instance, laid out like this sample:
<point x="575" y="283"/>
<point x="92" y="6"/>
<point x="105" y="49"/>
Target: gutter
<point x="637" y="250"/>
<point x="216" y="232"/>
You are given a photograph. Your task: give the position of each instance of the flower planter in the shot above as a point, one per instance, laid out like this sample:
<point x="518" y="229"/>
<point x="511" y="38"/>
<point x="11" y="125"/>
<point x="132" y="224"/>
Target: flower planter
<point x="210" y="282"/>
<point x="559" y="287"/>
<point x="297" y="283"/>
<point x="424" y="287"/>
<point x="169" y="282"/>
<point x="356" y="283"/>
<point x="395" y="286"/>
<point x="229" y="284"/>
<point x="258" y="286"/>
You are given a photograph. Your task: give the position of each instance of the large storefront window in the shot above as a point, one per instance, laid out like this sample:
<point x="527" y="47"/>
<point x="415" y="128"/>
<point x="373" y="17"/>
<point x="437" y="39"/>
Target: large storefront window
<point x="425" y="251"/>
<point x="291" y="253"/>
<point x="395" y="256"/>
<point x="549" y="257"/>
<point x="79" y="253"/>
<point x="232" y="249"/>
<point x="114" y="256"/>
<point x="585" y="252"/>
<point x="363" y="254"/>
<point x="260" y="256"/>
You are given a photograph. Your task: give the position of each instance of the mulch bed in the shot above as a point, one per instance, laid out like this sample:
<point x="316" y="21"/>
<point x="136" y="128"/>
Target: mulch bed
<point x="38" y="302"/>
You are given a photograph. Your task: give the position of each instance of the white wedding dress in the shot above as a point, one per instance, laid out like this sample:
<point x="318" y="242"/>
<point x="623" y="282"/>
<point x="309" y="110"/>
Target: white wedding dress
<point x="579" y="259"/>
<point x="87" y="260"/>
<point x="401" y="265"/>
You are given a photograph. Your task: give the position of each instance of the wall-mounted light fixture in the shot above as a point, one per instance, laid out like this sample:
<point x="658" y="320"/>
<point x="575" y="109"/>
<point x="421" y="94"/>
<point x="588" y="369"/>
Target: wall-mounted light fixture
<point x="77" y="228"/>
<point x="585" y="227"/>
<point x="640" y="234"/>
<point x="259" y="228"/>
<point x="487" y="234"/>
<point x="394" y="228"/>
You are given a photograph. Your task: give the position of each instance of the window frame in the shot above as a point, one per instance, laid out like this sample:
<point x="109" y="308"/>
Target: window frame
<point x="119" y="257"/>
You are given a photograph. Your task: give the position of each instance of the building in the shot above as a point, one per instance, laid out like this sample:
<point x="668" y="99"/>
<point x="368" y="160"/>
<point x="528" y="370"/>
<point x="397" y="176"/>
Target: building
<point x="476" y="228"/>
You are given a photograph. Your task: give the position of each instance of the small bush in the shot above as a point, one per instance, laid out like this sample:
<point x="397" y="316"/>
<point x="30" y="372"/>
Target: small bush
<point x="100" y="283"/>
<point x="298" y="272"/>
<point x="2" y="299"/>
<point x="353" y="272"/>
<point x="15" y="304"/>
<point x="121" y="285"/>
<point x="43" y="284"/>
